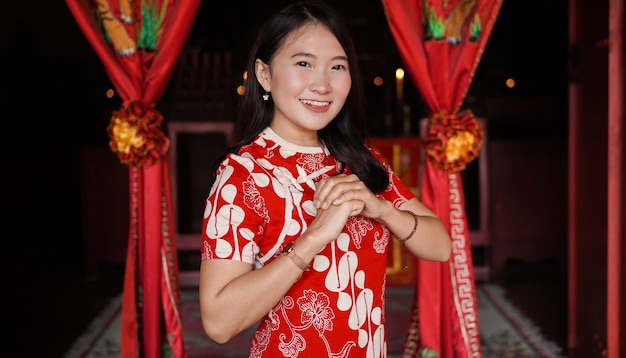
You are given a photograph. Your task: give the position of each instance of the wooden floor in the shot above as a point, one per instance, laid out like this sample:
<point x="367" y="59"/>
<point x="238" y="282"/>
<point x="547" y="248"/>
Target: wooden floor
<point x="59" y="305"/>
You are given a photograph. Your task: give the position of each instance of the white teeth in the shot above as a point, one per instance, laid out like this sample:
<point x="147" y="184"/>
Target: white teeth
<point x="315" y="103"/>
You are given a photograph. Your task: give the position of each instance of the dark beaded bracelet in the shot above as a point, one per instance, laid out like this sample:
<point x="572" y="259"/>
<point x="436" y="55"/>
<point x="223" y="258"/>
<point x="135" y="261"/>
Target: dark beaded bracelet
<point x="416" y="222"/>
<point x="405" y="263"/>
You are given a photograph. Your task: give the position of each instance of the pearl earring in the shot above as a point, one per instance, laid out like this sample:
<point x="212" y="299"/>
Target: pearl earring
<point x="266" y="96"/>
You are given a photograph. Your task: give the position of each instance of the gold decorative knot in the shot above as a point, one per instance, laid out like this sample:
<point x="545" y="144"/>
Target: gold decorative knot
<point x="459" y="145"/>
<point x="453" y="140"/>
<point x="126" y="136"/>
<point x="135" y="134"/>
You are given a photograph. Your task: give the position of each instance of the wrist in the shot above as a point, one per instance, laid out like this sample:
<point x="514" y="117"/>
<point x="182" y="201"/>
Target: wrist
<point x="387" y="212"/>
<point x="290" y="252"/>
<point x="415" y="224"/>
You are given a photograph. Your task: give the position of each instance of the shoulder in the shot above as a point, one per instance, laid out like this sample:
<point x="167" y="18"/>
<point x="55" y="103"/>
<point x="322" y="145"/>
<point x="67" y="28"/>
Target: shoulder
<point x="237" y="165"/>
<point x="380" y="158"/>
<point x="376" y="154"/>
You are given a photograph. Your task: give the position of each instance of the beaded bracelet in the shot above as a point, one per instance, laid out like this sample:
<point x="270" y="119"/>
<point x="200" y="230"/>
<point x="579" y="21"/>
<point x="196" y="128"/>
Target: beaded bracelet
<point x="416" y="222"/>
<point x="405" y="261"/>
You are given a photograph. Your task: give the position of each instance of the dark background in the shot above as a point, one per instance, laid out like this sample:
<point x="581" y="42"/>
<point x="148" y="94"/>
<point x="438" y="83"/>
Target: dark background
<point x="52" y="96"/>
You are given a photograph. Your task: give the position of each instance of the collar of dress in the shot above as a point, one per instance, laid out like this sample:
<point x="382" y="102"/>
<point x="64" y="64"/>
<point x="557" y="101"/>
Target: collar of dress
<point x="285" y="175"/>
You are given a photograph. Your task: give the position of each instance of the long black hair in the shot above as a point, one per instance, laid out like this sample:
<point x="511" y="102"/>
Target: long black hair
<point x="344" y="136"/>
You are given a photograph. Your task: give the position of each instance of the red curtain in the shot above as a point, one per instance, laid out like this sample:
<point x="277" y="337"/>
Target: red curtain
<point x="441" y="43"/>
<point x="139" y="43"/>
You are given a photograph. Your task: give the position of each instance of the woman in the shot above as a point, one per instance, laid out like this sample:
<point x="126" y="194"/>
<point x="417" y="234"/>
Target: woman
<point x="299" y="217"/>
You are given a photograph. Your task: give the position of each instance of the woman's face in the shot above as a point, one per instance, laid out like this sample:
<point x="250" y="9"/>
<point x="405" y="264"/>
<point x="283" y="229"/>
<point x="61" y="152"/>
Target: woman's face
<point x="309" y="81"/>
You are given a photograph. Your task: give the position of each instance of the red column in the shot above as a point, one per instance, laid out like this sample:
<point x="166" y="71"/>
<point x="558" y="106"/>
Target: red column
<point x="615" y="214"/>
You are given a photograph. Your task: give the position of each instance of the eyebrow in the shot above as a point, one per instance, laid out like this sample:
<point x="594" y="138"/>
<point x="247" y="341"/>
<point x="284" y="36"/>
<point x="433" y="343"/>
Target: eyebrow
<point x="306" y="54"/>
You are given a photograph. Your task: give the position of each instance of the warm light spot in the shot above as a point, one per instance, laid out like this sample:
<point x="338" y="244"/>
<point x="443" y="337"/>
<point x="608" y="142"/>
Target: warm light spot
<point x="510" y="83"/>
<point x="399" y="73"/>
<point x="109" y="93"/>
<point x="241" y="89"/>
<point x="126" y="136"/>
<point x="378" y="81"/>
<point x="459" y="145"/>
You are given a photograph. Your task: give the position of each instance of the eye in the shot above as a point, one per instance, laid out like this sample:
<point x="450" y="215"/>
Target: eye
<point x="303" y="64"/>
<point x="338" y="67"/>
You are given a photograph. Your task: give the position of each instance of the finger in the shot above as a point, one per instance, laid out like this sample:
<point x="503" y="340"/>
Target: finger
<point x="324" y="188"/>
<point x="358" y="206"/>
<point x="321" y="188"/>
<point x="349" y="191"/>
<point x="340" y="213"/>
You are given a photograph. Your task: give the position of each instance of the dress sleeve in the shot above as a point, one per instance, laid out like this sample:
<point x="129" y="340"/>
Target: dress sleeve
<point x="397" y="192"/>
<point x="230" y="223"/>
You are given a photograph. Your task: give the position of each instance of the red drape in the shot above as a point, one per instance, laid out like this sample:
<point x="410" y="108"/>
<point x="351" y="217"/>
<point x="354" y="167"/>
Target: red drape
<point x="441" y="43"/>
<point x="139" y="43"/>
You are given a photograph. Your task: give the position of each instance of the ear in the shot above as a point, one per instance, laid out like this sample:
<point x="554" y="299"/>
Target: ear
<point x="263" y="75"/>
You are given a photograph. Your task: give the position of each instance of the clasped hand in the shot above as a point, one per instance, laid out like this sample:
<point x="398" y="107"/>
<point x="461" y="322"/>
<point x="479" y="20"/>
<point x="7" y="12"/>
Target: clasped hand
<point x="339" y="197"/>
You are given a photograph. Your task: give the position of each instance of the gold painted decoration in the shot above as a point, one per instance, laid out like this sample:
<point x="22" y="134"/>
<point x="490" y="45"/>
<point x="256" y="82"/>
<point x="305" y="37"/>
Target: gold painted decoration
<point x="453" y="140"/>
<point x="136" y="136"/>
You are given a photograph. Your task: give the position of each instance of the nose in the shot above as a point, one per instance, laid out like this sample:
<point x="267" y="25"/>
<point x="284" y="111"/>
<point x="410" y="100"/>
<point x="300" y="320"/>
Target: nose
<point x="320" y="82"/>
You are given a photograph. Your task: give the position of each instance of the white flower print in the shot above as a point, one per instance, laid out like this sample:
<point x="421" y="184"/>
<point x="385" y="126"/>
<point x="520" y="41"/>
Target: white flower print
<point x="312" y="162"/>
<point x="315" y="308"/>
<point x="253" y="199"/>
<point x="260" y="342"/>
<point x="294" y="347"/>
<point x="358" y="227"/>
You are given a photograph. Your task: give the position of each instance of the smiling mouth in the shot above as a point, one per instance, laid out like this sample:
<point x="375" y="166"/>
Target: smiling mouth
<point x="315" y="103"/>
